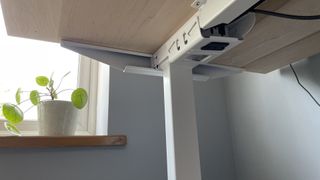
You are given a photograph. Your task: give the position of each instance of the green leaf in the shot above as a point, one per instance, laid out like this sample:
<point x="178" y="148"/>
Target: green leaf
<point x="42" y="80"/>
<point x="79" y="98"/>
<point x="12" y="129"/>
<point x="12" y="113"/>
<point x="34" y="97"/>
<point x="18" y="96"/>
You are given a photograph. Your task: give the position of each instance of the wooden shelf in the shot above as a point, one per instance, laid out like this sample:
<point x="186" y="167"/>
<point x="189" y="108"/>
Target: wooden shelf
<point x="63" y="141"/>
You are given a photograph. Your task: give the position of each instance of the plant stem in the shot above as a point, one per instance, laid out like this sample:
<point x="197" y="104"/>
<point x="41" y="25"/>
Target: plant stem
<point x="26" y="100"/>
<point x="62" y="80"/>
<point x="28" y="109"/>
<point x="51" y="91"/>
<point x="30" y="92"/>
<point x="64" y="90"/>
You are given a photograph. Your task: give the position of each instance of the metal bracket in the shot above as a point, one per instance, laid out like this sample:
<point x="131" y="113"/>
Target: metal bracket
<point x="201" y="46"/>
<point x="118" y="59"/>
<point x="197" y="4"/>
<point x="194" y="44"/>
<point x="159" y="73"/>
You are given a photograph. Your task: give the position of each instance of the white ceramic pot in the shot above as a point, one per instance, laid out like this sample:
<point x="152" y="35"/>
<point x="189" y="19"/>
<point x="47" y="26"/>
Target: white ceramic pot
<point x="57" y="118"/>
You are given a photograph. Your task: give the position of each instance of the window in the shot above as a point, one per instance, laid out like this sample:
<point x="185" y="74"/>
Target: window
<point x="21" y="60"/>
<point x="18" y="70"/>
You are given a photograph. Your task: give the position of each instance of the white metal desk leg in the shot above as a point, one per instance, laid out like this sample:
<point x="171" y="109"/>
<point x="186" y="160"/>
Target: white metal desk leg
<point x="183" y="162"/>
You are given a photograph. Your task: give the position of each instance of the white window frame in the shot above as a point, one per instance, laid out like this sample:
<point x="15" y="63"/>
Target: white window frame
<point x="94" y="77"/>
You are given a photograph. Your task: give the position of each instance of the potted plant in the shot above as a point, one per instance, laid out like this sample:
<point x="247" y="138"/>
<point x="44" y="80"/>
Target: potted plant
<point x="56" y="117"/>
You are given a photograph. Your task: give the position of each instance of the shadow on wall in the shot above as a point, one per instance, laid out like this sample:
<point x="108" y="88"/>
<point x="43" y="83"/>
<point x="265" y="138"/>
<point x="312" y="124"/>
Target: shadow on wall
<point x="308" y="71"/>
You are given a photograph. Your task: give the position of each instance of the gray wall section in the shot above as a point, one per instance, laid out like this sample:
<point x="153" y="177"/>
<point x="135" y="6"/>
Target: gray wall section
<point x="136" y="109"/>
<point x="275" y="124"/>
<point x="214" y="134"/>
<point x="139" y="101"/>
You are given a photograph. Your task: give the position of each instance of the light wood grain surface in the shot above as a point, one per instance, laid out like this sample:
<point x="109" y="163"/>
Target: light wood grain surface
<point x="272" y="35"/>
<point x="136" y="25"/>
<point x="65" y="141"/>
<point x="305" y="47"/>
<point x="144" y="25"/>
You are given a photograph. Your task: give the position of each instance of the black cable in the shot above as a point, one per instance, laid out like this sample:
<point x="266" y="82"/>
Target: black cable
<point x="287" y="16"/>
<point x="296" y="17"/>
<point x="297" y="78"/>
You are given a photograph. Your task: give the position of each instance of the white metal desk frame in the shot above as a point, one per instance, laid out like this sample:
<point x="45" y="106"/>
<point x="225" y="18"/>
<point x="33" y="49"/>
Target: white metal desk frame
<point x="171" y="62"/>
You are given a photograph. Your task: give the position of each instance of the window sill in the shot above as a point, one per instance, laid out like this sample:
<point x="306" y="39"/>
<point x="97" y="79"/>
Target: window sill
<point x="36" y="133"/>
<point x="63" y="141"/>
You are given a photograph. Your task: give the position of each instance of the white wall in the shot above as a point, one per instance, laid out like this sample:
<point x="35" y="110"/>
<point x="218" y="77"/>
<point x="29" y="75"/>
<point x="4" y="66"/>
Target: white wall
<point x="275" y="125"/>
<point x="136" y="109"/>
